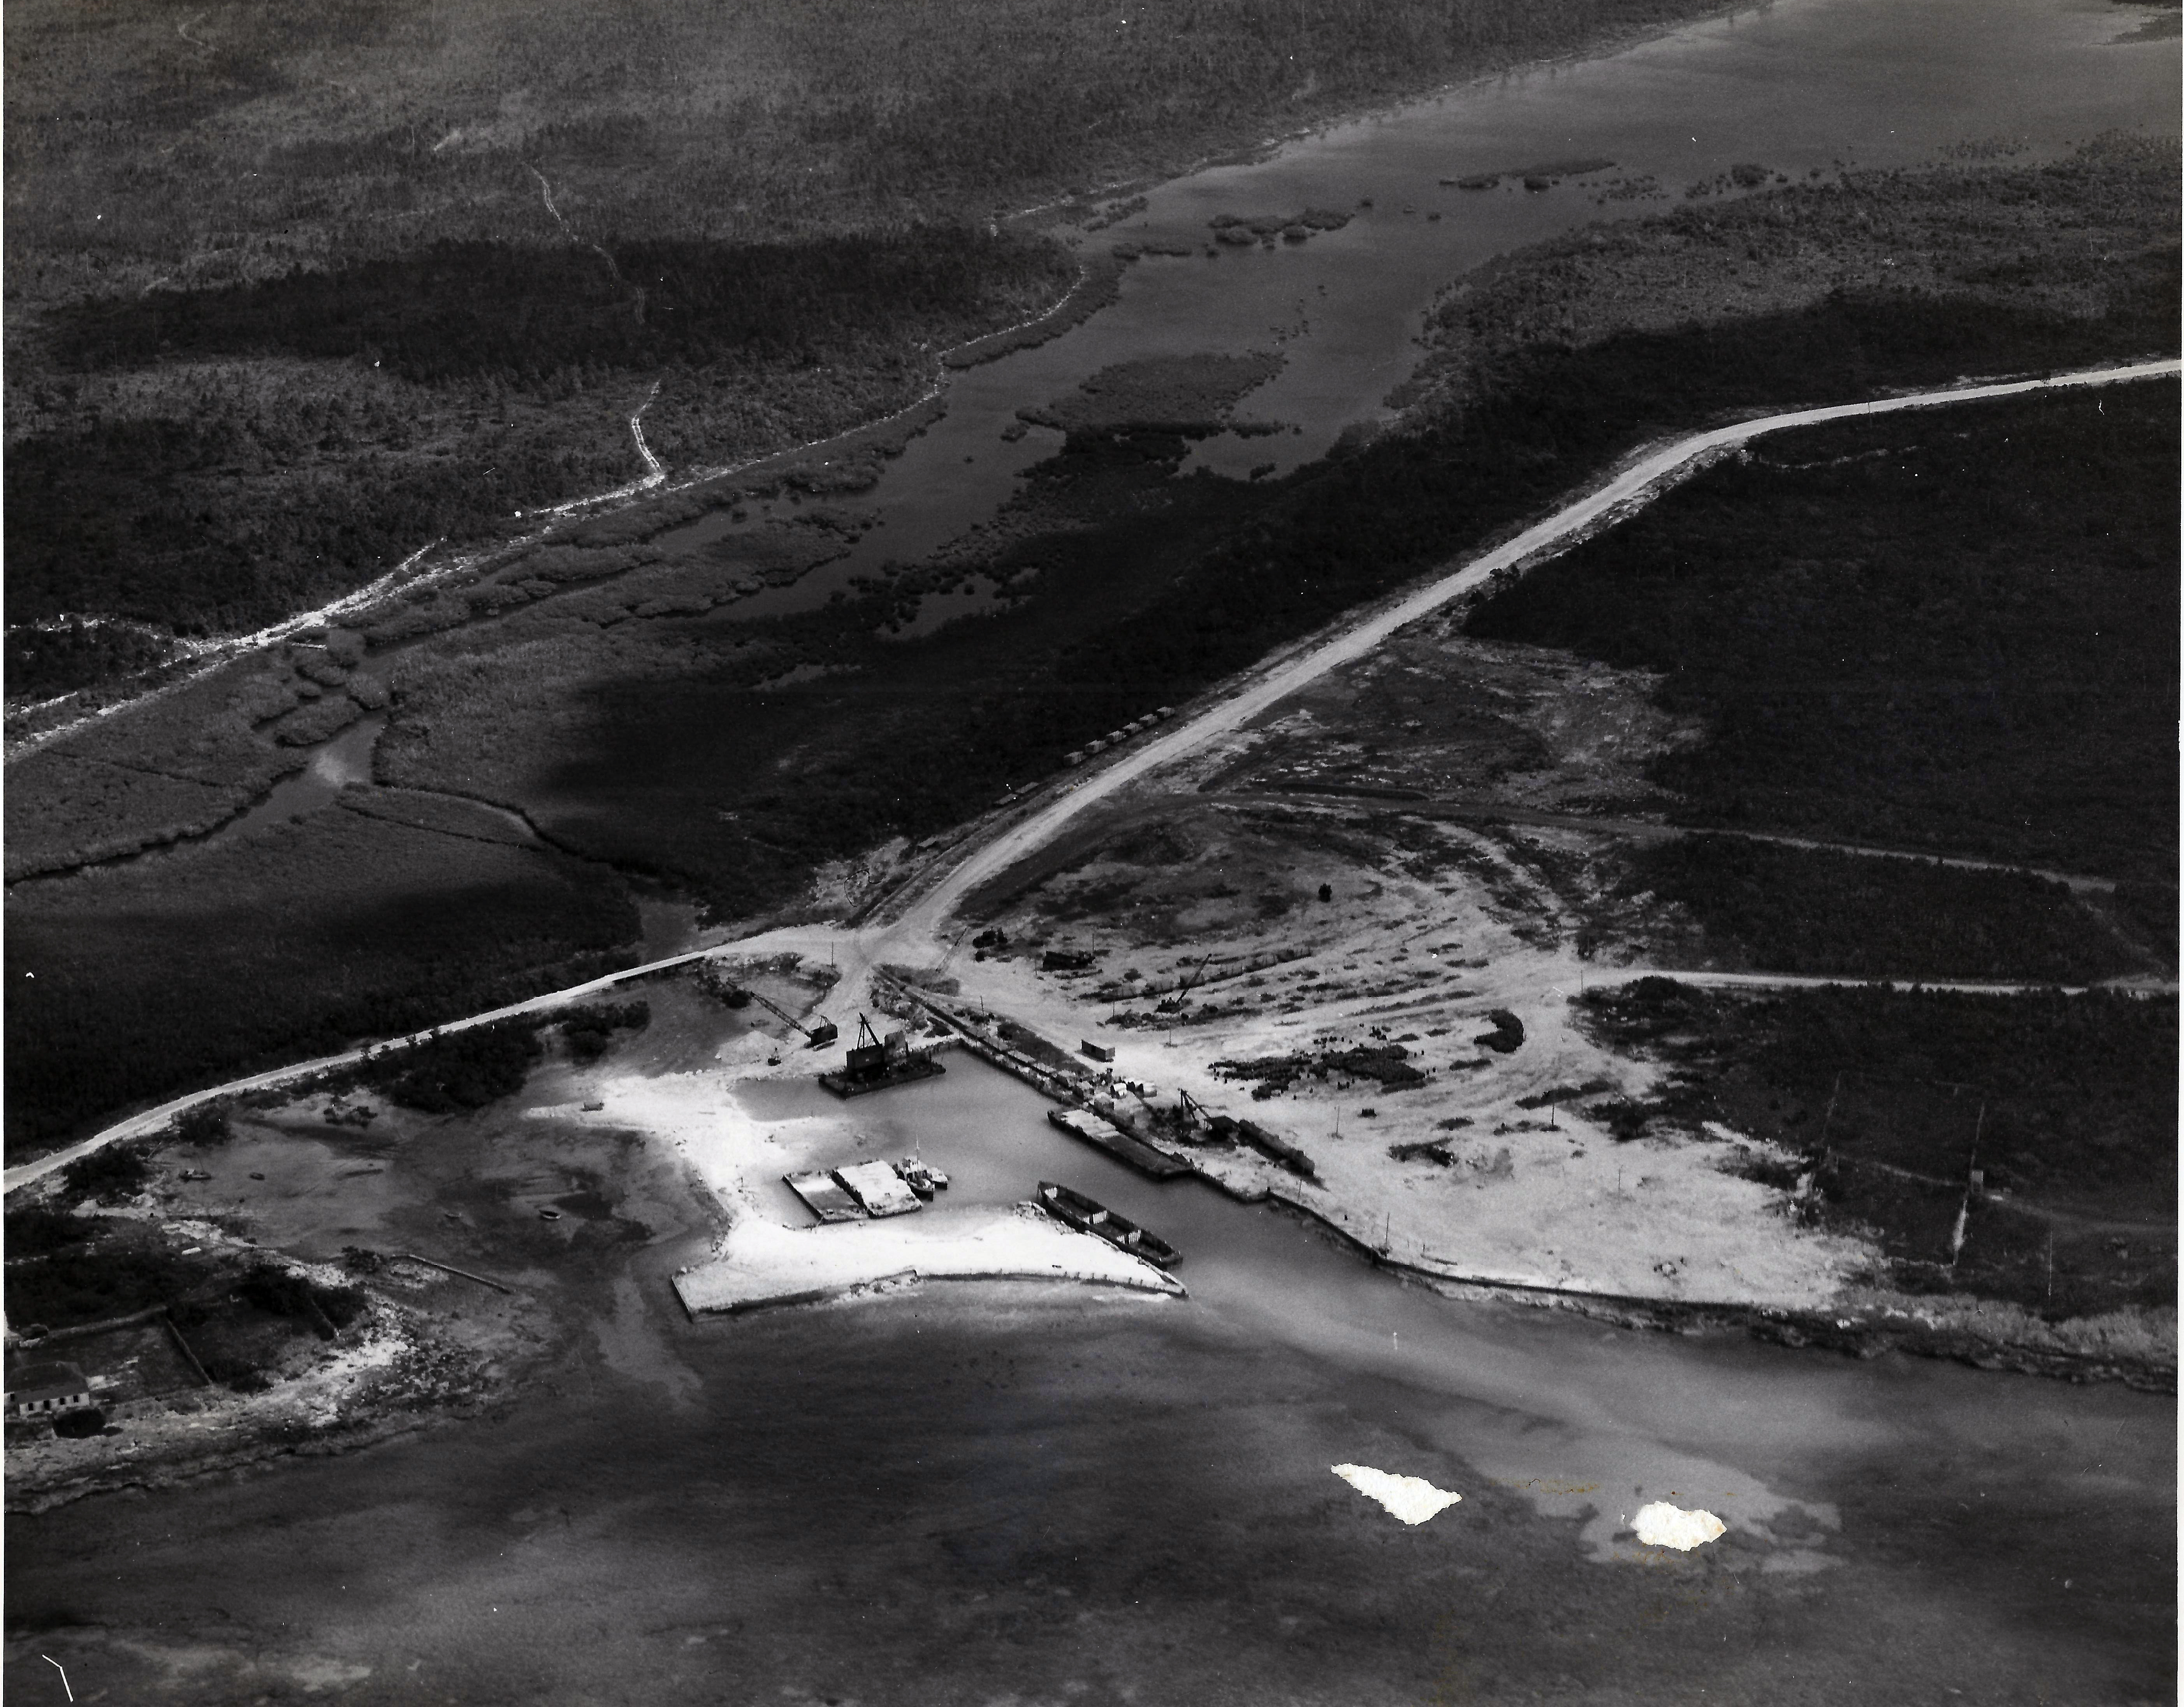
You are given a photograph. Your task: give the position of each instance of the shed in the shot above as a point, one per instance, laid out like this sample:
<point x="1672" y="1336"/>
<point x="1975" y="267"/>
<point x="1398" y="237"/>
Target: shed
<point x="46" y="1389"/>
<point x="877" y="1188"/>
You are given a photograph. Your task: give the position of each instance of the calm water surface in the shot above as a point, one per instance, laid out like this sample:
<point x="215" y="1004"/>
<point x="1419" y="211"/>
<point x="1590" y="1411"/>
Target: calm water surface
<point x="1002" y="1493"/>
<point x="1532" y="1399"/>
<point x="1794" y="87"/>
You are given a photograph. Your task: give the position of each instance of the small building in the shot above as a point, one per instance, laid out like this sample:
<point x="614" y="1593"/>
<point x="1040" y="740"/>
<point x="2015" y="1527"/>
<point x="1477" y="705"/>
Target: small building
<point x="878" y="1189"/>
<point x="1098" y="1052"/>
<point x="46" y="1389"/>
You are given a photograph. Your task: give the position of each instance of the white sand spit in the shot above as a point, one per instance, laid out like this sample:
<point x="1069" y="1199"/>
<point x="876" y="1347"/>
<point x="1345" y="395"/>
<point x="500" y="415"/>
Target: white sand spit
<point x="1411" y="1498"/>
<point x="761" y="1263"/>
<point x="1663" y="1525"/>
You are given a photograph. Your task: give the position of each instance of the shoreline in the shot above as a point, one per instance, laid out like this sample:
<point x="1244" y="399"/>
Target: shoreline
<point x="1865" y="1325"/>
<point x="1378" y="109"/>
<point x="883" y="1286"/>
<point x="1851" y="1326"/>
<point x="761" y="1264"/>
<point x="1351" y="634"/>
<point x="1817" y="1328"/>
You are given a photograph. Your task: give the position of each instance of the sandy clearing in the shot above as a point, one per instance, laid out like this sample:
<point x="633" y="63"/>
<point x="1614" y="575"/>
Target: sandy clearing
<point x="1568" y="1209"/>
<point x="764" y="1258"/>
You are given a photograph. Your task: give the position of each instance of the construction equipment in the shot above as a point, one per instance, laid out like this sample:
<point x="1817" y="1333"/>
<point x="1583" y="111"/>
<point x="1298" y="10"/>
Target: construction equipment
<point x="1182" y="990"/>
<point x="869" y="1052"/>
<point x="818" y="1035"/>
<point x="875" y="1063"/>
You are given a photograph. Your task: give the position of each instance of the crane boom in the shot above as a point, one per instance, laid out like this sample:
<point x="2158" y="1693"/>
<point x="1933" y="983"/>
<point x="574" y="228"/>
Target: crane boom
<point x="818" y="1036"/>
<point x="1196" y="972"/>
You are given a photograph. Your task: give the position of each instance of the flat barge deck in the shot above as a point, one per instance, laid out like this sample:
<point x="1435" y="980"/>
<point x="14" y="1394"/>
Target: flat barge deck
<point x="919" y="1065"/>
<point x="1105" y="1134"/>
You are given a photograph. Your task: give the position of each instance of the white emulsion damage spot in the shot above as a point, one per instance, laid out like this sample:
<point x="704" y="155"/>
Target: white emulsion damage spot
<point x="1407" y="1496"/>
<point x="1663" y="1525"/>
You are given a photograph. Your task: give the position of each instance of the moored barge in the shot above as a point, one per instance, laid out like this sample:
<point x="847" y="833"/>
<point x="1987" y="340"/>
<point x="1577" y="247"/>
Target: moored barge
<point x="1073" y="1208"/>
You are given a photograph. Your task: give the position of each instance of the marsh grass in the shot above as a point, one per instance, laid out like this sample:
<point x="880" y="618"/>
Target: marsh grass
<point x="293" y="942"/>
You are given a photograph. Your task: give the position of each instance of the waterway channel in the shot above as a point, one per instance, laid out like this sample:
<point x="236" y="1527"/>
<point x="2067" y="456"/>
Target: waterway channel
<point x="1619" y="1420"/>
<point x="1802" y="86"/>
<point x="990" y="1492"/>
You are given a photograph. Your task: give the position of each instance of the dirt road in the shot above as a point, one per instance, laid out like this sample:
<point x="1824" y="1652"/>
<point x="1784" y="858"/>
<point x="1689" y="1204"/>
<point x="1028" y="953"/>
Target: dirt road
<point x="1637" y="829"/>
<point x="1635" y="485"/>
<point x="911" y="935"/>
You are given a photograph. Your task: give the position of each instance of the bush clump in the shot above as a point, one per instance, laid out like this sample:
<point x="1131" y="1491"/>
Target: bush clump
<point x="109" y="1175"/>
<point x="205" y="1124"/>
<point x="461" y="1071"/>
<point x="588" y="1031"/>
<point x="280" y="1291"/>
<point x="39" y="1231"/>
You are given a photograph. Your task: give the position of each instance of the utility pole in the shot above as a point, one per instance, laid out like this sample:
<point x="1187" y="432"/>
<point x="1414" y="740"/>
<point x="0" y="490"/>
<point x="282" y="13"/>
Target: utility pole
<point x="1828" y="1119"/>
<point x="1964" y="1208"/>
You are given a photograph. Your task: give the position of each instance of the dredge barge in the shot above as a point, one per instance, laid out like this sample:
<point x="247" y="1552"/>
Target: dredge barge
<point x="877" y="1062"/>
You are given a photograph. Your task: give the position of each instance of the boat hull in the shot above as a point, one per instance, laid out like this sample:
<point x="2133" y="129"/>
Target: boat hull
<point x="1075" y="1209"/>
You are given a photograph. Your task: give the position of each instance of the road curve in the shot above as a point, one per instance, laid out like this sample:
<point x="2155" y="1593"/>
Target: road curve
<point x="1637" y="484"/>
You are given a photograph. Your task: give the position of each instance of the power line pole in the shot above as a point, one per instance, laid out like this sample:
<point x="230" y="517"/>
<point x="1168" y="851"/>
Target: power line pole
<point x="1827" y="1120"/>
